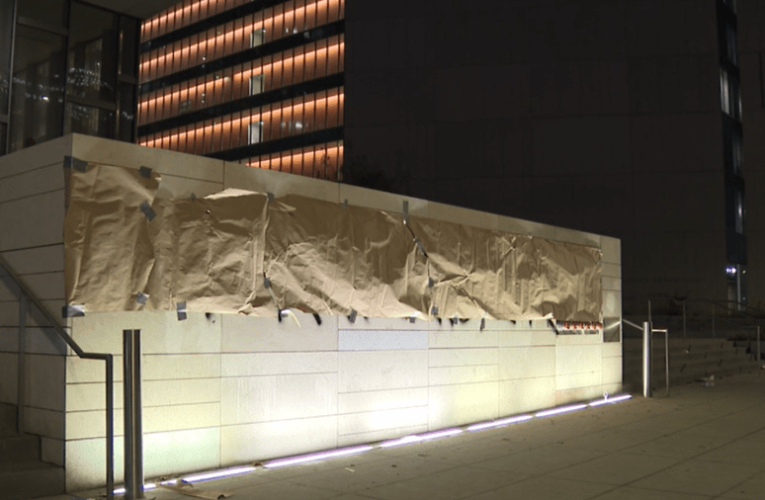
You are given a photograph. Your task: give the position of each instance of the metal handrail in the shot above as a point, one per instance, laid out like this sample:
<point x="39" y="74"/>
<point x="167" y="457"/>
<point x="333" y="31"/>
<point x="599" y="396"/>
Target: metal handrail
<point x="26" y="293"/>
<point x="648" y="330"/>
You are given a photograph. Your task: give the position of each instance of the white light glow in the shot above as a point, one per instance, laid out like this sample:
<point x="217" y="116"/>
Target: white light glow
<point x="499" y="423"/>
<point x="401" y="441"/>
<point x="316" y="456"/>
<point x="218" y="474"/>
<point x="615" y="399"/>
<point x="440" y="434"/>
<point x="563" y="409"/>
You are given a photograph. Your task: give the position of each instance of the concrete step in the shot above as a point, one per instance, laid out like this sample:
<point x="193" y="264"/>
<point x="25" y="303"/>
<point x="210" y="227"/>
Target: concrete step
<point x="690" y="360"/>
<point x="30" y="479"/>
<point x="19" y="448"/>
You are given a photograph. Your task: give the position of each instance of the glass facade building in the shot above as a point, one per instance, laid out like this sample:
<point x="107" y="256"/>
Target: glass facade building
<point x="65" y="66"/>
<point x="259" y="83"/>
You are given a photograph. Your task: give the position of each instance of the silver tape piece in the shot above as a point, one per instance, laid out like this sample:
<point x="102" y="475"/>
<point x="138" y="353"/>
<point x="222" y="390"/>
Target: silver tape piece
<point x="148" y="211"/>
<point x="434" y="311"/>
<point x="73" y="310"/>
<point x="406" y="212"/>
<point x="75" y="164"/>
<point x="270" y="197"/>
<point x="352" y="316"/>
<point x="145" y="172"/>
<point x="180" y="308"/>
<point x="142" y="298"/>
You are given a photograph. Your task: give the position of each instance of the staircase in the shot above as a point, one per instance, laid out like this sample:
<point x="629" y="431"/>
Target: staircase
<point x="23" y="475"/>
<point x="689" y="360"/>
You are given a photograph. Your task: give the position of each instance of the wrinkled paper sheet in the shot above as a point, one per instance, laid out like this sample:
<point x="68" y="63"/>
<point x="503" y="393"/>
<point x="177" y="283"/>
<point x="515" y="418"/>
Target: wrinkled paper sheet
<point x="239" y="252"/>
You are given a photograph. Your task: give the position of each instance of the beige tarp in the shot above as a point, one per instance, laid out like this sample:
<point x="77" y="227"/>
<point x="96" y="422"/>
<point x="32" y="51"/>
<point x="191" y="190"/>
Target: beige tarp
<point x="239" y="252"/>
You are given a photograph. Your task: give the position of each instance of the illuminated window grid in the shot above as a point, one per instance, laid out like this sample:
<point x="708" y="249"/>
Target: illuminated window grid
<point x="321" y="161"/>
<point x="317" y="112"/>
<point x="230" y="38"/>
<point x="183" y="14"/>
<point x="233" y="83"/>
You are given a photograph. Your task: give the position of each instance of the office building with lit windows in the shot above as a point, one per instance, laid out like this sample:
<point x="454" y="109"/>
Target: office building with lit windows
<point x="259" y="83"/>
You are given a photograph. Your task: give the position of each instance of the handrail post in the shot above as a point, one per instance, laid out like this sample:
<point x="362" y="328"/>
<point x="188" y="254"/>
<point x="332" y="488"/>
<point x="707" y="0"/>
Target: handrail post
<point x="758" y="345"/>
<point x="109" y="427"/>
<point x="666" y="357"/>
<point x="647" y="330"/>
<point x="21" y="393"/>
<point x="133" y="428"/>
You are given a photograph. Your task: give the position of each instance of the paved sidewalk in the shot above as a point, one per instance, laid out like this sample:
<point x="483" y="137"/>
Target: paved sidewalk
<point x="700" y="443"/>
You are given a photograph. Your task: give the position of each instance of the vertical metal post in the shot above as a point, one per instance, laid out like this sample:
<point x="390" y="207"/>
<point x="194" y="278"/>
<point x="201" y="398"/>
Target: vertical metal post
<point x="21" y="396"/>
<point x="647" y="359"/>
<point x="666" y="357"/>
<point x="109" y="427"/>
<point x="684" y="331"/>
<point x="133" y="429"/>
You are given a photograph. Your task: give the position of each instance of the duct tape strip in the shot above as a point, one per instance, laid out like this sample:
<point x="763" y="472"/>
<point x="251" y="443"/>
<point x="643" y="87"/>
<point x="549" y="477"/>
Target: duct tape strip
<point x="419" y="246"/>
<point x="180" y="307"/>
<point x="434" y="311"/>
<point x="345" y="203"/>
<point x="193" y="197"/>
<point x="73" y="311"/>
<point x="483" y="324"/>
<point x="75" y="164"/>
<point x="406" y="212"/>
<point x="142" y="298"/>
<point x="145" y="172"/>
<point x="148" y="211"/>
<point x="270" y="197"/>
<point x="352" y="316"/>
<point x="431" y="283"/>
<point x="267" y="284"/>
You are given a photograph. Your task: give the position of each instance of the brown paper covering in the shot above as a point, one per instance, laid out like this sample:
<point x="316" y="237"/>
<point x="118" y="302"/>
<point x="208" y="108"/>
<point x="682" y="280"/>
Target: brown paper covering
<point x="214" y="252"/>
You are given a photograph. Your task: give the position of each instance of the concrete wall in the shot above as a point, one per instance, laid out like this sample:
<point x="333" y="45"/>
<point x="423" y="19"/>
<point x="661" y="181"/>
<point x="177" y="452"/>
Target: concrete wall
<point x="225" y="389"/>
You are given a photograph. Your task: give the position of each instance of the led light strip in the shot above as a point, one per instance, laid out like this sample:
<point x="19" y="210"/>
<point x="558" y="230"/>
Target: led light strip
<point x="499" y="423"/>
<point x="316" y="456"/>
<point x="155" y="59"/>
<point x="321" y="104"/>
<point x="415" y="438"/>
<point x="206" y="86"/>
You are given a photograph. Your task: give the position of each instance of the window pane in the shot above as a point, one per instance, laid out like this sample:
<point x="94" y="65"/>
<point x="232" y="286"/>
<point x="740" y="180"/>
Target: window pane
<point x="93" y="54"/>
<point x="89" y="120"/>
<point x="6" y="28"/>
<point x="51" y="12"/>
<point x="38" y="73"/>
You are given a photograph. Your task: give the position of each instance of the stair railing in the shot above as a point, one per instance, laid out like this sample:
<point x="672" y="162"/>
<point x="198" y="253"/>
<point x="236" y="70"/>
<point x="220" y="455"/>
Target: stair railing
<point x="25" y="294"/>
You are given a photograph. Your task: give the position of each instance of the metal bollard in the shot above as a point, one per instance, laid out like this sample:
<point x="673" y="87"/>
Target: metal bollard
<point x="647" y="332"/>
<point x="131" y="350"/>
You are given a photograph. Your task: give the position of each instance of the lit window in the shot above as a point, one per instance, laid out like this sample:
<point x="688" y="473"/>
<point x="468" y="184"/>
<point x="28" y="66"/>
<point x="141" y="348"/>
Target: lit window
<point x="256" y="84"/>
<point x="257" y="37"/>
<point x="255" y="132"/>
<point x="739" y="215"/>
